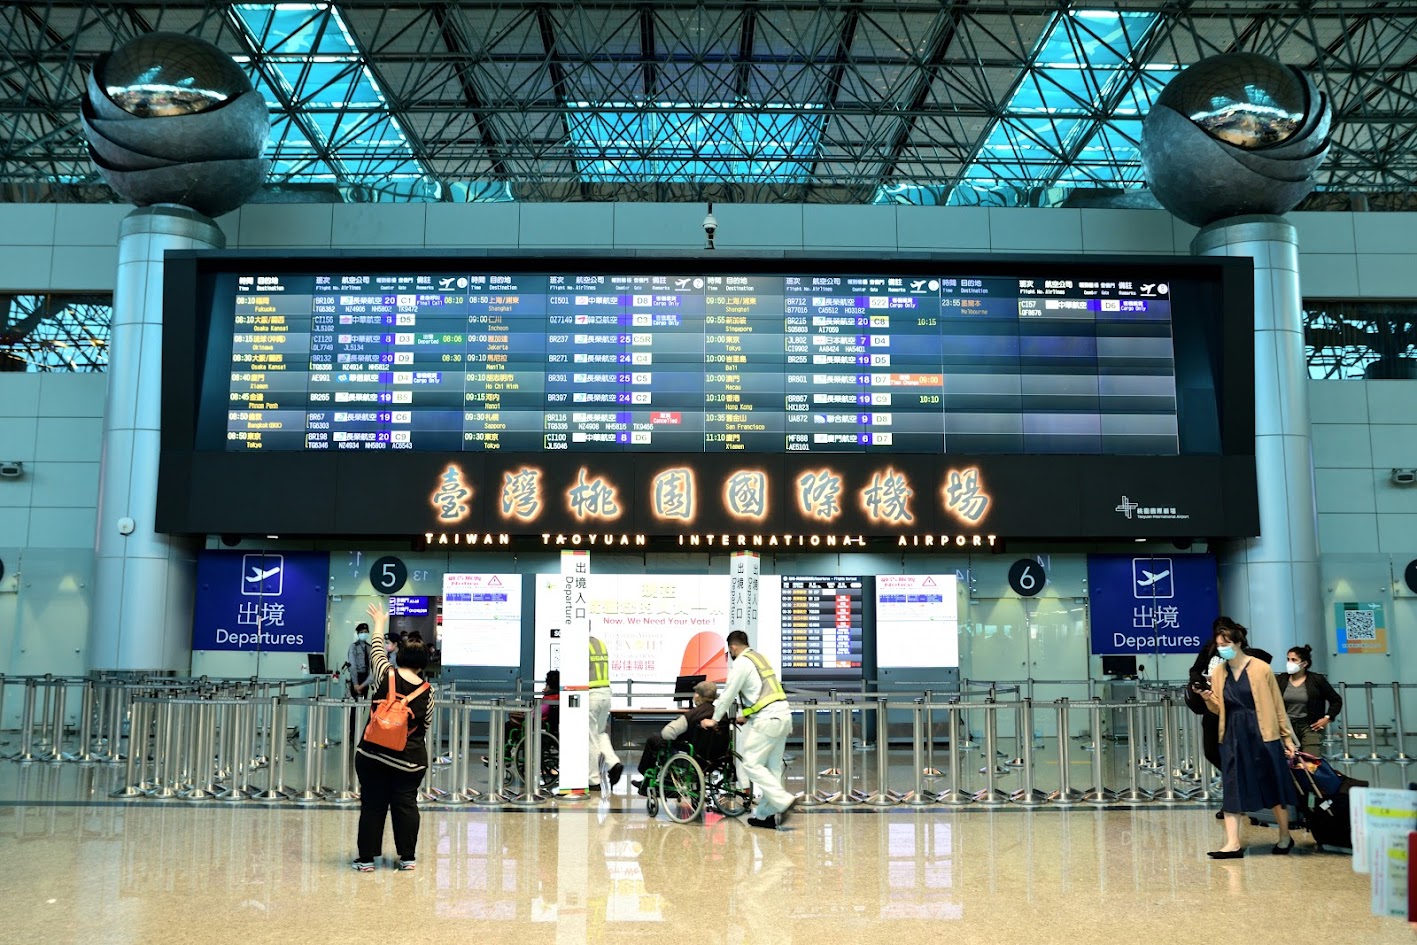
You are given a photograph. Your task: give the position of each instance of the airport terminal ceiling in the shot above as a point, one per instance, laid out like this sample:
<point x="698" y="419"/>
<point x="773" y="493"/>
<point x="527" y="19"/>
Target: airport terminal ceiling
<point x="1000" y="103"/>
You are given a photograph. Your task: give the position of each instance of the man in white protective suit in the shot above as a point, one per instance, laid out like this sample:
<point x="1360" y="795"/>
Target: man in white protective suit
<point x="766" y="721"/>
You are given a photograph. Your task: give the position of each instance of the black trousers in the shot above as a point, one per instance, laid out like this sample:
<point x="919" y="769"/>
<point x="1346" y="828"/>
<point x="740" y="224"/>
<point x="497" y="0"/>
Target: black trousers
<point x="387" y="792"/>
<point x="654" y="744"/>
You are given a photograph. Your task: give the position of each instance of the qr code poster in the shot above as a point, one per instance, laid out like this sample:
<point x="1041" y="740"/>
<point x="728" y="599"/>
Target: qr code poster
<point x="1361" y="628"/>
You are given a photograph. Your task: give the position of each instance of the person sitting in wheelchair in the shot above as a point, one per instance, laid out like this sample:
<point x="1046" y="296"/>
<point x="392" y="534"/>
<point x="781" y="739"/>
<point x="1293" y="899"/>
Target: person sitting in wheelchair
<point x="683" y="732"/>
<point x="550" y="715"/>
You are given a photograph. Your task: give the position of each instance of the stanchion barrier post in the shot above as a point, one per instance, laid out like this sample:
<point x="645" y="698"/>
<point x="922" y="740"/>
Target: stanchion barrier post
<point x="930" y="770"/>
<point x="833" y="771"/>
<point x="1373" y="754"/>
<point x="1066" y="795"/>
<point x="1399" y="730"/>
<point x="314" y="719"/>
<point x="465" y="709"/>
<point x="847" y="796"/>
<point x="1098" y="794"/>
<point x="3" y="681"/>
<point x="162" y="788"/>
<point x="84" y="754"/>
<point x="1134" y="793"/>
<point x="883" y="796"/>
<point x="810" y="797"/>
<point x="991" y="796"/>
<point x="44" y="730"/>
<point x="1168" y="794"/>
<point x="1204" y="773"/>
<point x="968" y="743"/>
<point x="57" y="701"/>
<point x="1027" y="795"/>
<point x="955" y="795"/>
<point x="275" y="752"/>
<point x="1347" y="755"/>
<point x="346" y="794"/>
<point x="243" y="725"/>
<point x="496" y="749"/>
<point x="433" y="739"/>
<point x="131" y="776"/>
<point x="531" y="769"/>
<point x="204" y="768"/>
<point x="457" y="759"/>
<point x="918" y="797"/>
<point x="119" y="701"/>
<point x="26" y="753"/>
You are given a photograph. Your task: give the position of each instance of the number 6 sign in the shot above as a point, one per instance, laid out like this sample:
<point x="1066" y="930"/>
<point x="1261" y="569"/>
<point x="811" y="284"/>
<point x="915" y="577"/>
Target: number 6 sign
<point x="1027" y="577"/>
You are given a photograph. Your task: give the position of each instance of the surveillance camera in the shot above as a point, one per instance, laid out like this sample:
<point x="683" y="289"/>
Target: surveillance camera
<point x="710" y="226"/>
<point x="12" y="470"/>
<point x="1400" y="477"/>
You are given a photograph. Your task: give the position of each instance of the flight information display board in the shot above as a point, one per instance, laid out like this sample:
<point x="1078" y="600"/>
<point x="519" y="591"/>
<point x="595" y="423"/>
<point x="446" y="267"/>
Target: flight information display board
<point x="927" y="361"/>
<point x="821" y="626"/>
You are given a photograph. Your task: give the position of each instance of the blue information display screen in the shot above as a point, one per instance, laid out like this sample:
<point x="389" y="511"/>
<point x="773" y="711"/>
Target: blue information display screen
<point x="925" y="361"/>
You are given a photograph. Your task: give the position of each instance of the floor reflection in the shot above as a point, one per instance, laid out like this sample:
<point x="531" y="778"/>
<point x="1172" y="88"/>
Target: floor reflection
<point x="87" y="869"/>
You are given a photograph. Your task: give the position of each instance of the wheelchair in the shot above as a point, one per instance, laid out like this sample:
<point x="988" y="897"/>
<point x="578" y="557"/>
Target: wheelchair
<point x="514" y="750"/>
<point x="695" y="774"/>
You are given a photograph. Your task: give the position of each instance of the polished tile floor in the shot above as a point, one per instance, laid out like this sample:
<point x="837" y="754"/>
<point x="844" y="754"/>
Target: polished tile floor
<point x="82" y="868"/>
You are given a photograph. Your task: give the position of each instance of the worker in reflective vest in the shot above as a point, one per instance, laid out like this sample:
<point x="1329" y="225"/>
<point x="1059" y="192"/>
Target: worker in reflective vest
<point x="766" y="721"/>
<point x="599" y="700"/>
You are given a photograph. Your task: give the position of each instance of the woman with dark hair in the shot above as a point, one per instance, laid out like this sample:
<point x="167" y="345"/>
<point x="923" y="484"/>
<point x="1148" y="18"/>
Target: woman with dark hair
<point x="388" y="779"/>
<point x="1309" y="700"/>
<point x="1255" y="737"/>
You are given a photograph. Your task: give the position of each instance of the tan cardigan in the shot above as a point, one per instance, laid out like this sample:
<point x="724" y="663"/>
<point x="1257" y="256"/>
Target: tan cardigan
<point x="1269" y="703"/>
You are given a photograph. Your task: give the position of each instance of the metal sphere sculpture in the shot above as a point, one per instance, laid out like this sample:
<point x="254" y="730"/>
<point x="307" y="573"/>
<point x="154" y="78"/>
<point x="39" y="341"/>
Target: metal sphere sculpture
<point x="1235" y="134"/>
<point x="172" y="119"/>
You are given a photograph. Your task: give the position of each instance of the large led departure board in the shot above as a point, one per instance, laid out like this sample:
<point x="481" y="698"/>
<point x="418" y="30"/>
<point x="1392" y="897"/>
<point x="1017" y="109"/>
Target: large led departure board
<point x="821" y="626"/>
<point x="515" y="399"/>
<point x="929" y="360"/>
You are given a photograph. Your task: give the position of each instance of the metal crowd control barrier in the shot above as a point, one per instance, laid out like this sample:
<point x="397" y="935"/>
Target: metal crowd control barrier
<point x="206" y="739"/>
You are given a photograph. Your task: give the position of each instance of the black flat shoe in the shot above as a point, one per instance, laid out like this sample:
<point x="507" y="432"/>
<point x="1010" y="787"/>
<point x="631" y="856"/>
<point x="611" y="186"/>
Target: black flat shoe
<point x="1220" y="815"/>
<point x="1283" y="851"/>
<point x="1226" y="854"/>
<point x="766" y="823"/>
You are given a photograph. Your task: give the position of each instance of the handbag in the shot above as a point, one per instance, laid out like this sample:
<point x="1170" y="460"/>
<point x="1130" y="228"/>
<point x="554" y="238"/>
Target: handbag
<point x="388" y="722"/>
<point x="1320" y="773"/>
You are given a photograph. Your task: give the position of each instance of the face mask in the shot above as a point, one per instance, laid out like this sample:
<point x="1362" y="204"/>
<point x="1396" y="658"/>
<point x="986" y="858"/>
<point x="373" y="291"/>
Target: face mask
<point x="363" y="636"/>
<point x="1226" y="652"/>
<point x="1292" y="667"/>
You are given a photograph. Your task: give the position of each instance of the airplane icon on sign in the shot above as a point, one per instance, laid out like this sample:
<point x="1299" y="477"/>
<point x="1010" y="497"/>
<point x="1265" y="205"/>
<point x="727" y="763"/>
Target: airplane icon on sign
<point x="681" y="283"/>
<point x="262" y="575"/>
<point x="258" y="575"/>
<point x="446" y="283"/>
<point x="917" y="284"/>
<point x="1149" y="579"/>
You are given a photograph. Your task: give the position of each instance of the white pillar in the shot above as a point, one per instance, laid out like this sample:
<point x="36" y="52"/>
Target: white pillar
<point x="575" y="670"/>
<point x="144" y="581"/>
<point x="1271" y="583"/>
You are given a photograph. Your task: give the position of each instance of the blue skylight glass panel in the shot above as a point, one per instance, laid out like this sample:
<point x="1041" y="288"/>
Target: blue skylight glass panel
<point x="620" y="142"/>
<point x="309" y="51"/>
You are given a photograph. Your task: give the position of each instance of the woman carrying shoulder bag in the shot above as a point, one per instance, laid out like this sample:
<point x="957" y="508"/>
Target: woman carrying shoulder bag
<point x="389" y="778"/>
<point x="1309" y="699"/>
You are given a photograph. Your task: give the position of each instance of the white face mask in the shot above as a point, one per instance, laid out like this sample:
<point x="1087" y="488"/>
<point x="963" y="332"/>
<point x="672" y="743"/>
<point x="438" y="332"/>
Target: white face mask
<point x="1292" y="667"/>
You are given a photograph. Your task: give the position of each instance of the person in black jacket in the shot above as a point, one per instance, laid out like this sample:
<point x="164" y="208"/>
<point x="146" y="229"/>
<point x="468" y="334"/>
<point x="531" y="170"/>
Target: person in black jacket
<point x="688" y="723"/>
<point x="1309" y="699"/>
<point x="388" y="779"/>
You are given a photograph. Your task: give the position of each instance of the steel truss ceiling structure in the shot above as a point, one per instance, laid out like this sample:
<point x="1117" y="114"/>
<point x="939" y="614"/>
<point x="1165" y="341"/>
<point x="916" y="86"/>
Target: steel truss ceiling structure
<point x="918" y="101"/>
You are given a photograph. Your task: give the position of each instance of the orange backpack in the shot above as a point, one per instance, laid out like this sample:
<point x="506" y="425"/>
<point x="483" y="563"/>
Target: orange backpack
<point x="388" y="722"/>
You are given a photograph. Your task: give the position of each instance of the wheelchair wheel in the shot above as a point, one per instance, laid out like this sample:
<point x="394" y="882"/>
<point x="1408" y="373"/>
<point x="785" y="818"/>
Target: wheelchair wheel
<point x="724" y="796"/>
<point x="652" y="803"/>
<point x="681" y="788"/>
<point x="550" y="761"/>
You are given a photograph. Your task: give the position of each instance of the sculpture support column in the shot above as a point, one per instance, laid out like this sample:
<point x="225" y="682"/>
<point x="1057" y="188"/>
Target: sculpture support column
<point x="144" y="581"/>
<point x="1271" y="583"/>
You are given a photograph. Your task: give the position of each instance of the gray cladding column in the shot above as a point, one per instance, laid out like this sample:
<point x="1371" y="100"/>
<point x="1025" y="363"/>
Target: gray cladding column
<point x="1271" y="583"/>
<point x="142" y="609"/>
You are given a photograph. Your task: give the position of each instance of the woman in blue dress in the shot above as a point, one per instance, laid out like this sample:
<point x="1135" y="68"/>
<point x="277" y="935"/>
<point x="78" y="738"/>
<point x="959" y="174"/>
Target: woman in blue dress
<point x="1255" y="740"/>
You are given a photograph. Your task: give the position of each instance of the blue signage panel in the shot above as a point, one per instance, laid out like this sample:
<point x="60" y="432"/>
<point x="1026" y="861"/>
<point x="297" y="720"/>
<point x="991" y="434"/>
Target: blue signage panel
<point x="264" y="601"/>
<point x="1151" y="604"/>
<point x="408" y="607"/>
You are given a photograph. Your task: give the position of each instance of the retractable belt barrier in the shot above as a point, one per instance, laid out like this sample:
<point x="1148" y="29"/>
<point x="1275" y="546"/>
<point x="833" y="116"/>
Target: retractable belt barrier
<point x="278" y="742"/>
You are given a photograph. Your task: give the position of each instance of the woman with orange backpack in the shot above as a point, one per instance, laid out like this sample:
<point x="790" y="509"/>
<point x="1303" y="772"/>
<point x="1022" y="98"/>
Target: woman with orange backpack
<point x="392" y="757"/>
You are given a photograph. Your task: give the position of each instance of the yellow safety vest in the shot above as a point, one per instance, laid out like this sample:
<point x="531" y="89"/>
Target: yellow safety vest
<point x="772" y="689"/>
<point x="599" y="665"/>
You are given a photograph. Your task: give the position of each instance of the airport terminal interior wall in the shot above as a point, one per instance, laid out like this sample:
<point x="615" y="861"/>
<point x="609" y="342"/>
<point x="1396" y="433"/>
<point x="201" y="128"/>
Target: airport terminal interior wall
<point x="1368" y="527"/>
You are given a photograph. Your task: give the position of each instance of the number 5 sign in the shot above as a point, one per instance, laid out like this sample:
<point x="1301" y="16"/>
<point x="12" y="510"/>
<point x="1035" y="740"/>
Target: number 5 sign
<point x="1027" y="577"/>
<point x="388" y="575"/>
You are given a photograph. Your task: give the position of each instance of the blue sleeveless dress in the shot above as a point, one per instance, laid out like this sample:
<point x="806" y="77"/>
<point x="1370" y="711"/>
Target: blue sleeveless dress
<point x="1253" y="772"/>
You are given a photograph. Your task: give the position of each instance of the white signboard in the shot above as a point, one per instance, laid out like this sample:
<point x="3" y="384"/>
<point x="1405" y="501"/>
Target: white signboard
<point x="917" y="621"/>
<point x="744" y="575"/>
<point x="657" y="627"/>
<point x="1381" y="820"/>
<point x="482" y="620"/>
